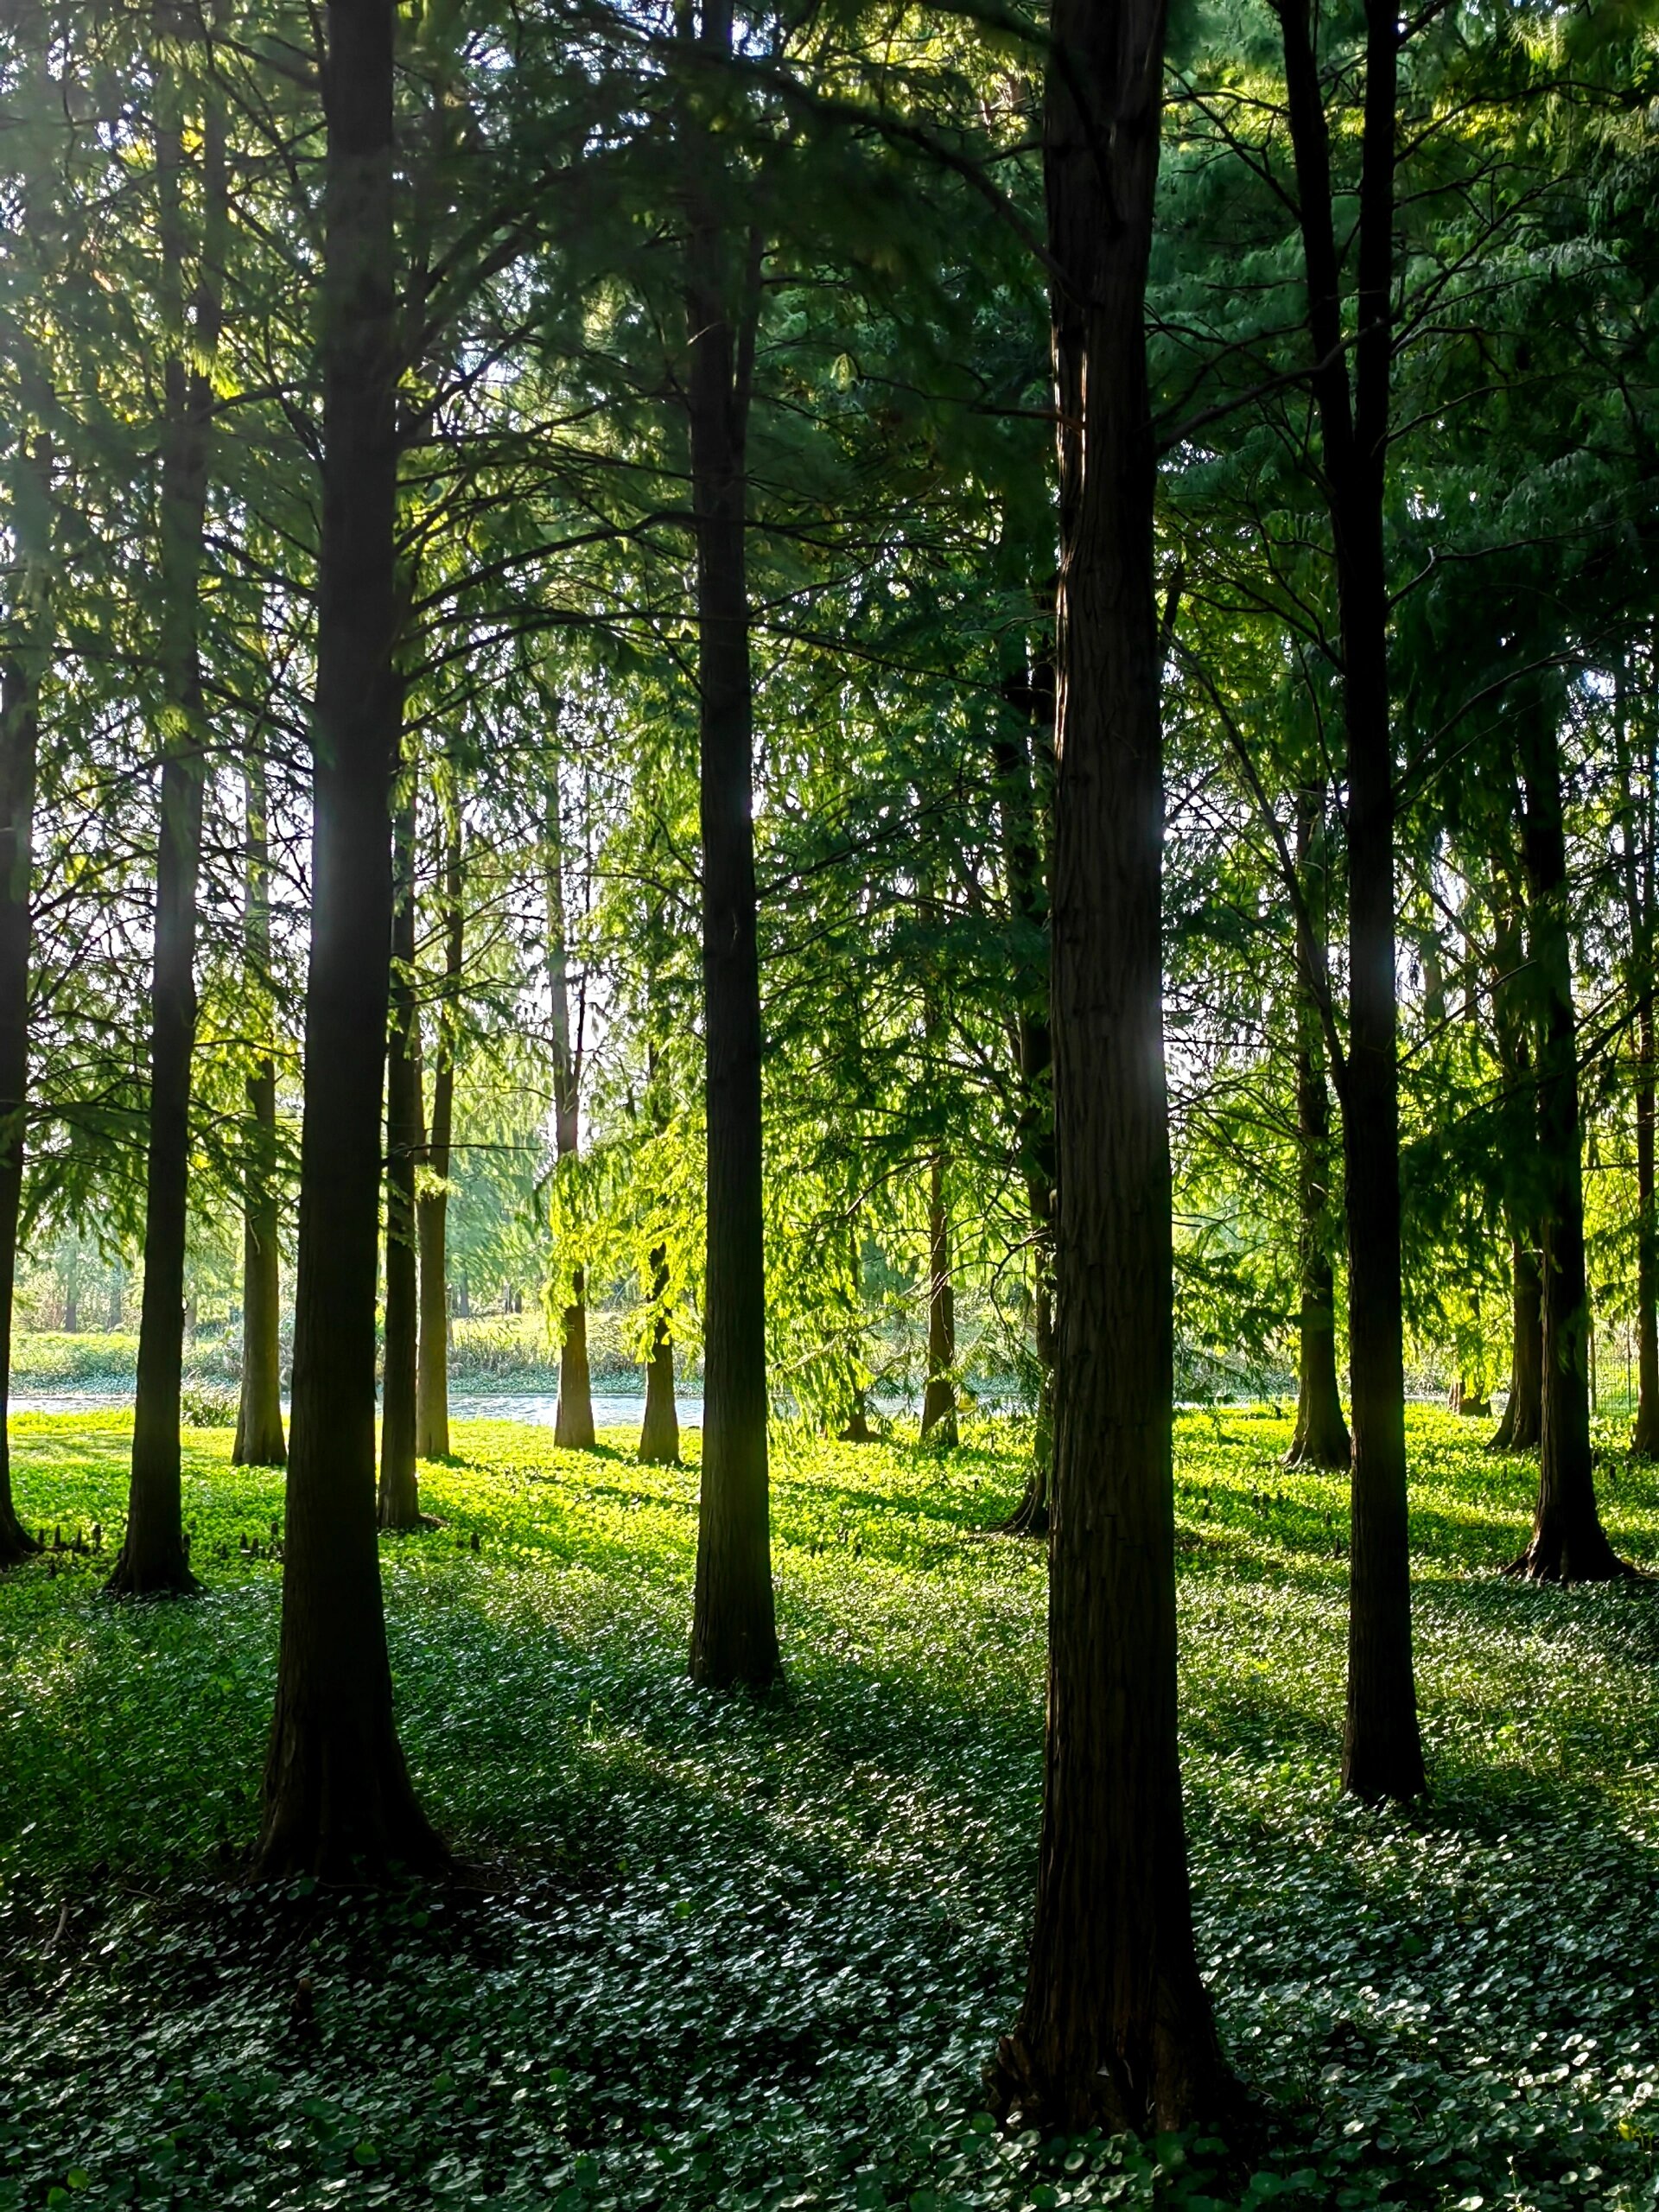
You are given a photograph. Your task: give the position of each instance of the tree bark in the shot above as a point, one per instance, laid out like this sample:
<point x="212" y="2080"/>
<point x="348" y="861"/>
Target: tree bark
<point x="154" y="1558"/>
<point x="660" y="1433"/>
<point x="939" y="1399"/>
<point x="338" y="1802"/>
<point x="400" y="1491"/>
<point x="25" y="659"/>
<point x="1115" y="2029"/>
<point x="1032" y="694"/>
<point x="1568" y="1543"/>
<point x="1320" y="1438"/>
<point x="733" y="1627"/>
<point x="432" y="1205"/>
<point x="1382" y="1748"/>
<point x="1523" y="1417"/>
<point x="259" y="1441"/>
<point x="573" y="1426"/>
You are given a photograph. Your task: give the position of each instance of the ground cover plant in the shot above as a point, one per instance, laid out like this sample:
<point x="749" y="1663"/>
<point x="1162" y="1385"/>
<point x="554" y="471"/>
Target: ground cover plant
<point x="741" y="1952"/>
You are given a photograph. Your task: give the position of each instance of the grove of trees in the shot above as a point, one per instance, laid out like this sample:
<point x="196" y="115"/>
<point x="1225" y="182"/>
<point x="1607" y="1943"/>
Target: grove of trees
<point x="890" y="696"/>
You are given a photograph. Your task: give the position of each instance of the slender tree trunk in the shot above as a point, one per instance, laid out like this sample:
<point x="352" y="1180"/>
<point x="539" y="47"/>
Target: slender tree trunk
<point x="660" y="1433"/>
<point x="1033" y="694"/>
<point x="733" y="1628"/>
<point x="400" y="1494"/>
<point x="1568" y="1543"/>
<point x="1320" y="1438"/>
<point x="1644" y="1439"/>
<point x="1383" y="1753"/>
<point x="573" y="1421"/>
<point x="259" y="1441"/>
<point x="20" y="671"/>
<point x="1522" y="1417"/>
<point x="338" y="1802"/>
<point x="154" y="1558"/>
<point x="939" y="1399"/>
<point x="1115" y="2029"/>
<point x="432" y="1206"/>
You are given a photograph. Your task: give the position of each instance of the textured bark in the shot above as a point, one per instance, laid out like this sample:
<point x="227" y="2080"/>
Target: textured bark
<point x="1115" y="2029"/>
<point x="659" y="1431"/>
<point x="1568" y="1543"/>
<point x="432" y="1206"/>
<point x="939" y="1399"/>
<point x="733" y="1627"/>
<point x="259" y="1441"/>
<point x="1320" y="1438"/>
<point x="400" y="1491"/>
<point x="1522" y="1417"/>
<point x="20" y="670"/>
<point x="572" y="1424"/>
<point x="1382" y="1747"/>
<point x="1644" y="1438"/>
<point x="1031" y="694"/>
<point x="338" y="1802"/>
<point x="154" y="1558"/>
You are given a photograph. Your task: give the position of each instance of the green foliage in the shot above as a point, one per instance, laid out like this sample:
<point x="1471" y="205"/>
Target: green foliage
<point x="752" y="1954"/>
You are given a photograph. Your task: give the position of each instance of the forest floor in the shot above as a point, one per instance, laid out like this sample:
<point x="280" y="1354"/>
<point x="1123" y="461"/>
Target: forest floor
<point x="729" y="1954"/>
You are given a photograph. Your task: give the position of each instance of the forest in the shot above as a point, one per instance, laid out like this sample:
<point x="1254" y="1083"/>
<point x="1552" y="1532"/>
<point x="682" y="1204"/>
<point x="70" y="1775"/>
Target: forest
<point x="829" y="1261"/>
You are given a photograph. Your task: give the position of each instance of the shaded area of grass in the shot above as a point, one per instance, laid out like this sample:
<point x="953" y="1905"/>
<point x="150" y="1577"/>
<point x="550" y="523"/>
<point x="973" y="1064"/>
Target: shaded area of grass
<point x="737" y="1954"/>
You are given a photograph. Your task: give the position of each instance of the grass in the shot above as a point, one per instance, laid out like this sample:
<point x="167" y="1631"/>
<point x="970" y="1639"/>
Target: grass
<point x="752" y="1954"/>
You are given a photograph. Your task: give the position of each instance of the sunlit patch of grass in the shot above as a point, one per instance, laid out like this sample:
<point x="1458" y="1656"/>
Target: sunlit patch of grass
<point x="733" y="1952"/>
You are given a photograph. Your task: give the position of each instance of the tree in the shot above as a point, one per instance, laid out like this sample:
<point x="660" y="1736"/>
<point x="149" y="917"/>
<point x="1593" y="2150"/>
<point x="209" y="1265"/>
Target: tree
<point x="1116" y="2028"/>
<point x="734" y="1632"/>
<point x="154" y="1558"/>
<point x="400" y="1496"/>
<point x="574" y="1423"/>
<point x="1382" y="1752"/>
<point x="337" y="1800"/>
<point x="432" y="1201"/>
<point x="259" y="1441"/>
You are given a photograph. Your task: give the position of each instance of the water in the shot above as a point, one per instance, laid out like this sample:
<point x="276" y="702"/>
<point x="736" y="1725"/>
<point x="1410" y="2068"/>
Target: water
<point x="539" y="1409"/>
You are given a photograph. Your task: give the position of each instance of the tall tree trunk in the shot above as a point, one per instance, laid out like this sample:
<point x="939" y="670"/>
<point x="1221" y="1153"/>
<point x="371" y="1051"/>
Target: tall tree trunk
<point x="27" y="652"/>
<point x="1033" y="695"/>
<point x="400" y="1494"/>
<point x="572" y="1424"/>
<point x="1568" y="1543"/>
<point x="1519" y="1428"/>
<point x="1320" y="1438"/>
<point x="1639" y="866"/>
<point x="734" y="1626"/>
<point x="154" y="1558"/>
<point x="432" y="1205"/>
<point x="1115" y="2029"/>
<point x="939" y="1399"/>
<point x="659" y="1431"/>
<point x="259" y="1441"/>
<point x="1382" y="1754"/>
<point x="338" y="1802"/>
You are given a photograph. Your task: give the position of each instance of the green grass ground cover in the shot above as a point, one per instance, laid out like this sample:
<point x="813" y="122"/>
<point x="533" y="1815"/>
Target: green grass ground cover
<point x="730" y="1953"/>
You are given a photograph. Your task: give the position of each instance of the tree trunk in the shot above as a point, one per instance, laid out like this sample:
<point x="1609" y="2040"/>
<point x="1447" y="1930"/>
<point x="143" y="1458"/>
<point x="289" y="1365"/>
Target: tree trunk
<point x="20" y="672"/>
<point x="572" y="1424"/>
<point x="338" y="1802"/>
<point x="1568" y="1543"/>
<point x="1382" y="1748"/>
<point x="1320" y="1438"/>
<point x="400" y="1492"/>
<point x="1522" y="1417"/>
<point x="939" y="1399"/>
<point x="154" y="1558"/>
<point x="660" y="1433"/>
<point x="432" y="1205"/>
<point x="1032" y="694"/>
<point x="259" y="1441"/>
<point x="1115" y="2029"/>
<point x="733" y="1628"/>
<point x="1644" y="1439"/>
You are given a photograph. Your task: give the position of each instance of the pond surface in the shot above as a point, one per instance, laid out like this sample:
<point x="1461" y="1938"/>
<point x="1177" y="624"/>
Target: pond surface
<point x="612" y="1410"/>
